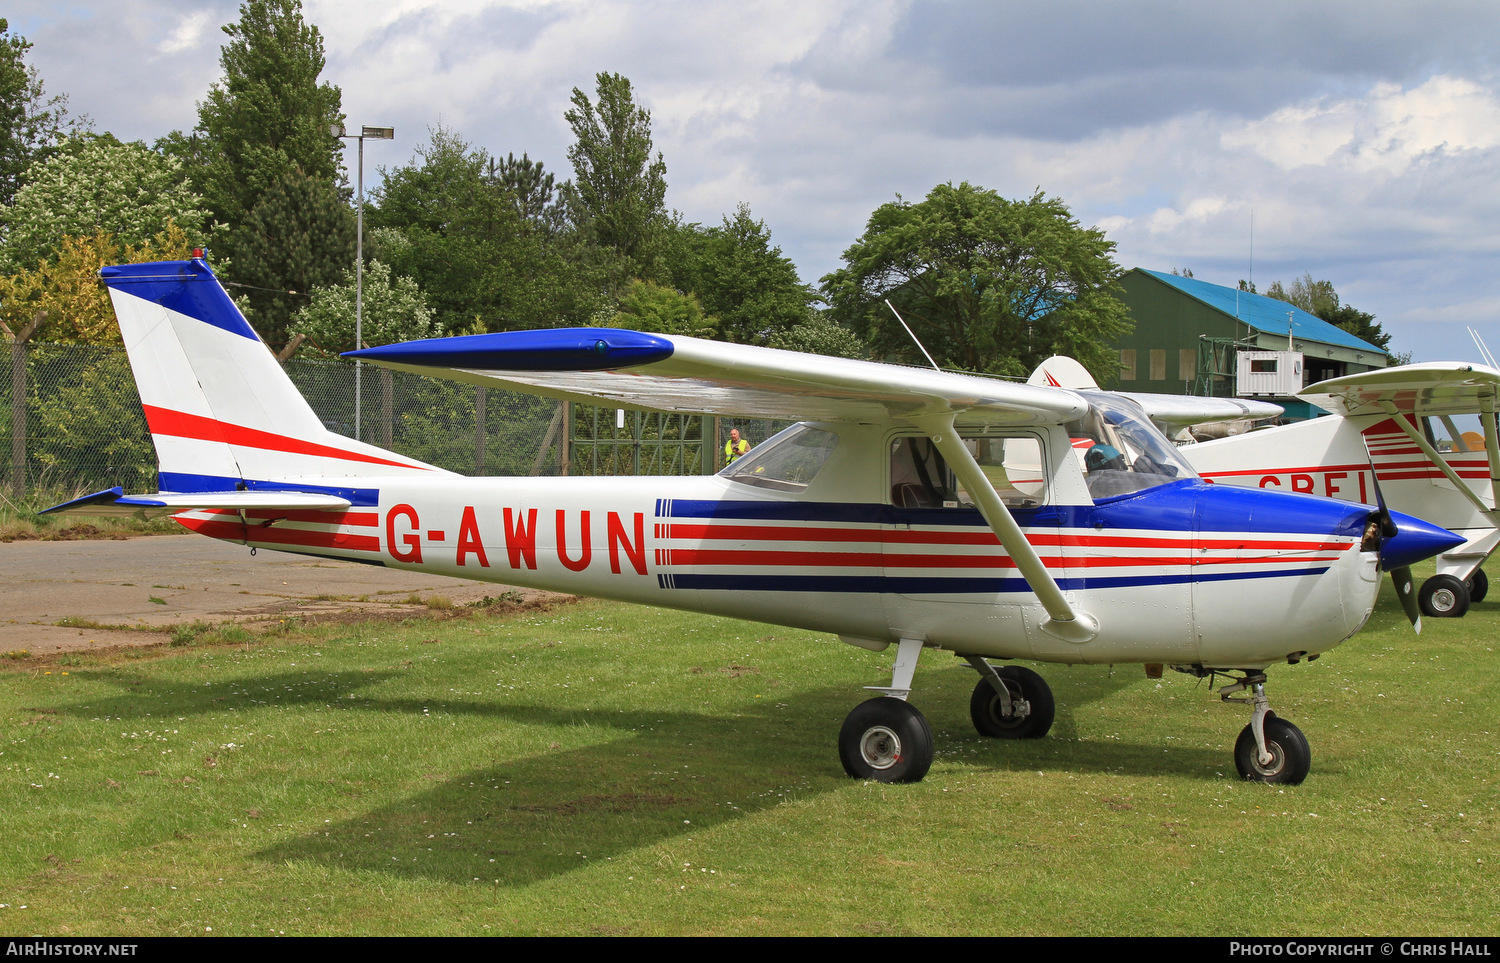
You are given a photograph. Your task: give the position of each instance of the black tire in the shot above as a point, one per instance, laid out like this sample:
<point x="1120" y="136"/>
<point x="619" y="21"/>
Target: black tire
<point x="1443" y="597"/>
<point x="984" y="705"/>
<point x="1478" y="585"/>
<point x="1290" y="756"/>
<point x="886" y="740"/>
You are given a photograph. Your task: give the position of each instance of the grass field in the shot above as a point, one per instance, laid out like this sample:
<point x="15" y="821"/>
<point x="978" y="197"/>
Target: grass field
<point x="608" y="769"/>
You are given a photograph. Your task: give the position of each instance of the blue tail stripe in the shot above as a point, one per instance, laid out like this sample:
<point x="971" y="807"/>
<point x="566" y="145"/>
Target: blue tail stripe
<point x="187" y="287"/>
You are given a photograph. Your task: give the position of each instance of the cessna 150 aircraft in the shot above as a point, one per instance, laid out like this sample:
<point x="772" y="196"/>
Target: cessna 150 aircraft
<point x="1400" y="428"/>
<point x="920" y="508"/>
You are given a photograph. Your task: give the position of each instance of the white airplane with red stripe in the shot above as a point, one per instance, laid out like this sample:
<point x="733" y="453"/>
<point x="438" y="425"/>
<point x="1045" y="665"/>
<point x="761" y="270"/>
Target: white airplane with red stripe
<point x="920" y="510"/>
<point x="1387" y="428"/>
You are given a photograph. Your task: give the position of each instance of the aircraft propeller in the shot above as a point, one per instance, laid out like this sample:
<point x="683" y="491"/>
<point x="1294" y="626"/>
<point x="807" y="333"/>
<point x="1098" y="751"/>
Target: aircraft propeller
<point x="1399" y="546"/>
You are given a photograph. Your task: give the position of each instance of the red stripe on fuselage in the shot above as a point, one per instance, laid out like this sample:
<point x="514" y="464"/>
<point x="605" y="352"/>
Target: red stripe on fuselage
<point x="791" y="533"/>
<point x="236" y="531"/>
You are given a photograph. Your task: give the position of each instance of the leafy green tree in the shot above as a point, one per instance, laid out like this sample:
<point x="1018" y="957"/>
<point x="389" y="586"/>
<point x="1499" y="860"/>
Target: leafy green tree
<point x="394" y="309"/>
<point x="268" y="164"/>
<point x="483" y="241"/>
<point x="618" y="193"/>
<point x="532" y="191"/>
<point x="741" y="278"/>
<point x="31" y="123"/>
<point x="988" y="284"/>
<point x="648" y="306"/>
<point x="95" y="184"/>
<point x="66" y="286"/>
<point x="268" y="116"/>
<point x="298" y="236"/>
<point x="819" y="334"/>
<point x="1320" y="299"/>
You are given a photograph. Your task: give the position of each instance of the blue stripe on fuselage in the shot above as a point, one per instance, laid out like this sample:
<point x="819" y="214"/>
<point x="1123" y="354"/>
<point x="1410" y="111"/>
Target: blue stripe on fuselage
<point x="1182" y="507"/>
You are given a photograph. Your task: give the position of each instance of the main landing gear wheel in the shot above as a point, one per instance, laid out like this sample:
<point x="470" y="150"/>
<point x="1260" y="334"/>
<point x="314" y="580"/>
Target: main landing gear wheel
<point x="1478" y="585"/>
<point x="886" y="740"/>
<point x="1290" y="756"/>
<point x="1443" y="597"/>
<point x="1022" y="683"/>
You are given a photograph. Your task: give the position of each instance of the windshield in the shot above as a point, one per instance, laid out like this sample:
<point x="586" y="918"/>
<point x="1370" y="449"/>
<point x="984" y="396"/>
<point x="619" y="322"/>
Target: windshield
<point x="786" y="462"/>
<point x="1121" y="450"/>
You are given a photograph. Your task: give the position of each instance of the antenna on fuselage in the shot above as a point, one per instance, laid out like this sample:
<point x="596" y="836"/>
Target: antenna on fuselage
<point x="913" y="336"/>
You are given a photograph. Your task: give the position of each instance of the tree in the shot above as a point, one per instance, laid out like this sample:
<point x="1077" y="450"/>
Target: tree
<point x="394" y="309"/>
<point x="94" y="185"/>
<point x="268" y="116"/>
<point x="1320" y="299"/>
<point x="618" y="194"/>
<point x="297" y="237"/>
<point x="741" y="278"/>
<point x="67" y="286"/>
<point x="31" y="123"/>
<point x="988" y="284"/>
<point x="268" y="164"/>
<point x="648" y="306"/>
<point x="819" y="334"/>
<point x="485" y="242"/>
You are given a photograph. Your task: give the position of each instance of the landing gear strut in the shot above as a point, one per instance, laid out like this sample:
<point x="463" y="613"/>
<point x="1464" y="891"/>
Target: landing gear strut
<point x="1269" y="749"/>
<point x="1011" y="702"/>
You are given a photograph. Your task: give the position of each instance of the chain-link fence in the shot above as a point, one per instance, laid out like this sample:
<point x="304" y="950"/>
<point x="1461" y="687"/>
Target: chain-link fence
<point x="71" y="422"/>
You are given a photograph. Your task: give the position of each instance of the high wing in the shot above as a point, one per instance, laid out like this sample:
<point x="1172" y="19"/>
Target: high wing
<point x="633" y="369"/>
<point x="671" y="373"/>
<point x="1171" y="413"/>
<point x="1437" y="387"/>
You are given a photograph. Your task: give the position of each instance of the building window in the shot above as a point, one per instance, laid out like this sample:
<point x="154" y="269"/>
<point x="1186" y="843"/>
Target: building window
<point x="1127" y="364"/>
<point x="1187" y="364"/>
<point x="1158" y="364"/>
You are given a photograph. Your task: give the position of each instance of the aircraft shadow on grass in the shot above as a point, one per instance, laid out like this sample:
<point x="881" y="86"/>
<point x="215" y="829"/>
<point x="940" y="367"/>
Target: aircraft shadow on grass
<point x="647" y="777"/>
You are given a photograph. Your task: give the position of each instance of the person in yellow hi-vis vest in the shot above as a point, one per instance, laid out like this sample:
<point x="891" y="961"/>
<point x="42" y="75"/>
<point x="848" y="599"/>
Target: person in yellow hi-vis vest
<point x="734" y="447"/>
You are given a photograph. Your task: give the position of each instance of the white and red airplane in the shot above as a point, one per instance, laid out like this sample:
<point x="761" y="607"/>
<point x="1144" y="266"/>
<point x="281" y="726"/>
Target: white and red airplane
<point x="1410" y="428"/>
<point x="916" y="508"/>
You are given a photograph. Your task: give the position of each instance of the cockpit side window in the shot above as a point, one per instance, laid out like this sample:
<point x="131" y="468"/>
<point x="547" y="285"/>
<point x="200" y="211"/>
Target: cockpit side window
<point x="787" y="462"/>
<point x="1121" y="451"/>
<point x="920" y="478"/>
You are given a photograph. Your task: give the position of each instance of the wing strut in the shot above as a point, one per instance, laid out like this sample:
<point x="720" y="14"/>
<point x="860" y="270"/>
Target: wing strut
<point x="1063" y="622"/>
<point x="1487" y="415"/>
<point x="1437" y="459"/>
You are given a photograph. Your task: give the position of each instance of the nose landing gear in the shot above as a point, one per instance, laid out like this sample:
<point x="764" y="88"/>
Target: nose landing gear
<point x="1269" y="749"/>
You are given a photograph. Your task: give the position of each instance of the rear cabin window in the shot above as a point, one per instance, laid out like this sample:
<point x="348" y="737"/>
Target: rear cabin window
<point x="920" y="477"/>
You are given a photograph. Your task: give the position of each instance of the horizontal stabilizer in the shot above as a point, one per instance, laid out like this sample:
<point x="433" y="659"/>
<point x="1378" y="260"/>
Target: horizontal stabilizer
<point x="113" y="502"/>
<point x="1170" y="412"/>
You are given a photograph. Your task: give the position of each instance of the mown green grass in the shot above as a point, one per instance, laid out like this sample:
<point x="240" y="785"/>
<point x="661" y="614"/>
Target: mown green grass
<point x="608" y="769"/>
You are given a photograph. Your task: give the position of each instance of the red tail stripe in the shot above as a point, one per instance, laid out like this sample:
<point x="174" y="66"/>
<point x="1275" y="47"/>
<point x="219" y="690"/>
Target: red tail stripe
<point x="180" y="424"/>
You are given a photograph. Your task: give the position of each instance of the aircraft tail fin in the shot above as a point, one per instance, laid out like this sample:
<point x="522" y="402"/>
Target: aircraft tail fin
<point x="222" y="413"/>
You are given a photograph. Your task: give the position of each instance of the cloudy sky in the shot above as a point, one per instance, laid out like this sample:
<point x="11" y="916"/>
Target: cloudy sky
<point x="1357" y="141"/>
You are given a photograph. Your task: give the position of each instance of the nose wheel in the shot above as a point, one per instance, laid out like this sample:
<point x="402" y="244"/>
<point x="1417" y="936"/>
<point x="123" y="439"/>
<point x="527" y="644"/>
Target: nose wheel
<point x="1269" y="749"/>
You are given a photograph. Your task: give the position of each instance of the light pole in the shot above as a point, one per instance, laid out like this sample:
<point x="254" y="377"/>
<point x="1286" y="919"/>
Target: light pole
<point x="374" y="133"/>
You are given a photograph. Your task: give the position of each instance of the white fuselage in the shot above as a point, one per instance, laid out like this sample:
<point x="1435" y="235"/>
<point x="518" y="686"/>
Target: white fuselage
<point x="1178" y="574"/>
